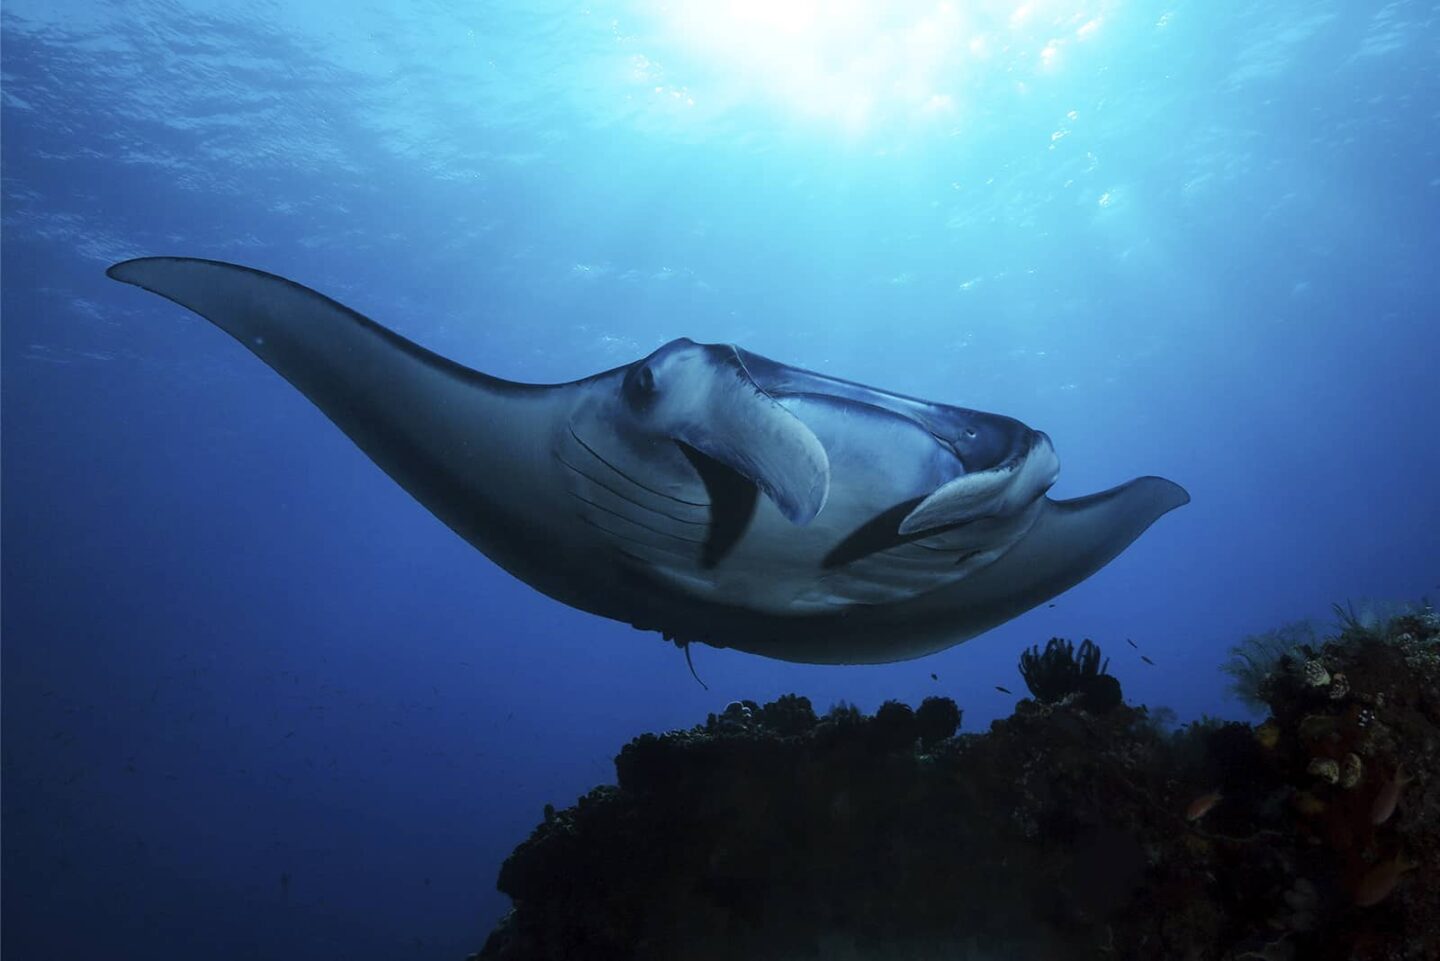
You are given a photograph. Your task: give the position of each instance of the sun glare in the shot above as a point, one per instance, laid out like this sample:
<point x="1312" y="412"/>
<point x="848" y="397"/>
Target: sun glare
<point x="860" y="62"/>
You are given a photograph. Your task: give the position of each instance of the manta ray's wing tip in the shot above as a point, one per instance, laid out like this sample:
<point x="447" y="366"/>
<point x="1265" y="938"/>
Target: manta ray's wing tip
<point x="139" y="271"/>
<point x="143" y="271"/>
<point x="123" y="270"/>
<point x="1169" y="493"/>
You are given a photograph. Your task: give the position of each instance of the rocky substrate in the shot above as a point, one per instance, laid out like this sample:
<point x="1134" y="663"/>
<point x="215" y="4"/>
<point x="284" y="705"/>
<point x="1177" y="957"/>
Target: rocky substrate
<point x="1077" y="828"/>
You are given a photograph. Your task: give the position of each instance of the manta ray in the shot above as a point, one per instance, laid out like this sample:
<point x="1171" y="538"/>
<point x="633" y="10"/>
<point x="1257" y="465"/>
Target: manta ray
<point x="704" y="491"/>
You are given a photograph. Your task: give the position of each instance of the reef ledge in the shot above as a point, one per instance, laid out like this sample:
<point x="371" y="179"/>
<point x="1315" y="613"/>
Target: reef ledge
<point x="1079" y="827"/>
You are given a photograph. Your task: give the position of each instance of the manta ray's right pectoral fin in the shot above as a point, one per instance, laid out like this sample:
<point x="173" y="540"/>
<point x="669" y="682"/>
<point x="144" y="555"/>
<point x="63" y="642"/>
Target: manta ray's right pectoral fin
<point x="433" y="425"/>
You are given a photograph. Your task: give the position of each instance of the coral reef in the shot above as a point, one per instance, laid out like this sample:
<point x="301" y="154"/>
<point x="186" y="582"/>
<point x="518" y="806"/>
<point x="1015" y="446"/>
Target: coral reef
<point x="1076" y="828"/>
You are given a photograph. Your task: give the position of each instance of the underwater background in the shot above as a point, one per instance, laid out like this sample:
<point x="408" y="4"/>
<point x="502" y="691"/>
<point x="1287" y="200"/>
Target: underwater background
<point x="258" y="703"/>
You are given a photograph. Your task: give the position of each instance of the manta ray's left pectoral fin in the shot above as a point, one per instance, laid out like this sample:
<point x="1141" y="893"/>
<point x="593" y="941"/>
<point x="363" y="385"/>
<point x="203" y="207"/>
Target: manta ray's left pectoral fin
<point x="1098" y="527"/>
<point x="1073" y="539"/>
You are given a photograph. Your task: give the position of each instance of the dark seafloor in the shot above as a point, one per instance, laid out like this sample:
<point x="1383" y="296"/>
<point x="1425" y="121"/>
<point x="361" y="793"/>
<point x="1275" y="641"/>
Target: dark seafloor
<point x="1079" y="827"/>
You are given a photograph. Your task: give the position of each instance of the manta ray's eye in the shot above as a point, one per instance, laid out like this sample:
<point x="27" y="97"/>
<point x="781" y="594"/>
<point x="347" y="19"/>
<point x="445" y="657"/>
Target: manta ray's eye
<point x="640" y="387"/>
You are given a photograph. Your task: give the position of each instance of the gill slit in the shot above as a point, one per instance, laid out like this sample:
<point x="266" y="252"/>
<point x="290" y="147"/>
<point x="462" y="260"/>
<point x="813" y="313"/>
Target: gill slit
<point x="595" y="454"/>
<point x="628" y="500"/>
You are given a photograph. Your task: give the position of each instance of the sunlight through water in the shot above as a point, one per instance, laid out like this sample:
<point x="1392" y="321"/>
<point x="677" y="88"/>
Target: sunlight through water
<point x="859" y="64"/>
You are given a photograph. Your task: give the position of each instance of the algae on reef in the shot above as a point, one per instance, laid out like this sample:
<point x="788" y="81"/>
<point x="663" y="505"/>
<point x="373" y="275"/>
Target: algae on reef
<point x="1077" y="828"/>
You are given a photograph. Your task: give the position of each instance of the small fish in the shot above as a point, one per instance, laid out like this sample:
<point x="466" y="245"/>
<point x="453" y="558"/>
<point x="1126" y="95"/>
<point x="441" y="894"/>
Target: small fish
<point x="1380" y="880"/>
<point x="1003" y="690"/>
<point x="1201" y="805"/>
<point x="1132" y="643"/>
<point x="1389" y="796"/>
<point x="1049" y="605"/>
<point x="933" y="676"/>
<point x="1147" y="660"/>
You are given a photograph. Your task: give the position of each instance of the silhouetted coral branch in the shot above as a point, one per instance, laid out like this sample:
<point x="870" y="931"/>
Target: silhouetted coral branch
<point x="1059" y="672"/>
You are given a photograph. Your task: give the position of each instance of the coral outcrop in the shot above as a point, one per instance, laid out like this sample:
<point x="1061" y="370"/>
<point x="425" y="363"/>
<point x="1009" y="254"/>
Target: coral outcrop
<point x="1077" y="828"/>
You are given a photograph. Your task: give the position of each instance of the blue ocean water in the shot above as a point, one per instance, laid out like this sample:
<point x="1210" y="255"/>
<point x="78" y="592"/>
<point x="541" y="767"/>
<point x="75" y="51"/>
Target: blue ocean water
<point x="258" y="703"/>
